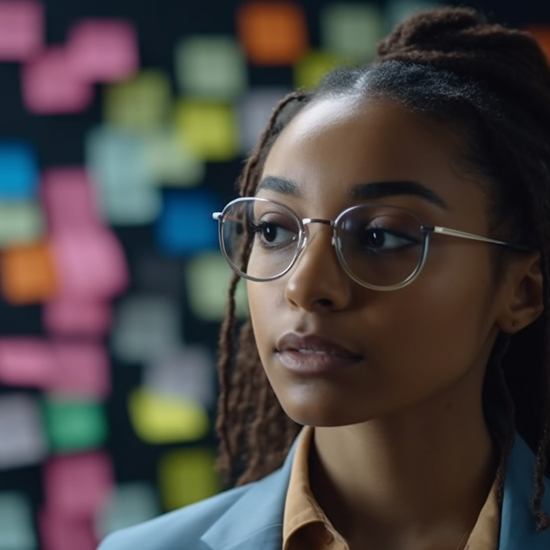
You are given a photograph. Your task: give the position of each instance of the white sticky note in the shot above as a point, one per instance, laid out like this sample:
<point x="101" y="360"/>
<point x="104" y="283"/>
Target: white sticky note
<point x="146" y="326"/>
<point x="22" y="441"/>
<point x="187" y="372"/>
<point x="20" y="223"/>
<point x="16" y="524"/>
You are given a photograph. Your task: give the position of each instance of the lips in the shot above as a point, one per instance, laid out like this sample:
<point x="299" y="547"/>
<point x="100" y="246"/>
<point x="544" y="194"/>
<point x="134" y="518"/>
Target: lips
<point x="310" y="344"/>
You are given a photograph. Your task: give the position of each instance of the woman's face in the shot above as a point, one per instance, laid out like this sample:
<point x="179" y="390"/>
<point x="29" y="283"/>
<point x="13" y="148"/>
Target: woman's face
<point x="334" y="351"/>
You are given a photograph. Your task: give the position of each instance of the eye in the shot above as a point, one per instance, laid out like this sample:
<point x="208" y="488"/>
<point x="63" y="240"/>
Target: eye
<point x="382" y="239"/>
<point x="275" y="233"/>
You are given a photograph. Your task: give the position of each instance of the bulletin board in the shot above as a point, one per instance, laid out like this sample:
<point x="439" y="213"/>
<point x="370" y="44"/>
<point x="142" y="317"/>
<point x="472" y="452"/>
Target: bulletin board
<point x="123" y="125"/>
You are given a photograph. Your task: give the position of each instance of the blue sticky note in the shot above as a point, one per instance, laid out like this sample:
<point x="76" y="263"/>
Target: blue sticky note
<point x="185" y="225"/>
<point x="18" y="171"/>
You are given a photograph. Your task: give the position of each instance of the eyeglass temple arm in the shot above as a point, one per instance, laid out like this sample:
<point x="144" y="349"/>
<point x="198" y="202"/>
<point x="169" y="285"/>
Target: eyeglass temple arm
<point x="473" y="237"/>
<point x="216" y="215"/>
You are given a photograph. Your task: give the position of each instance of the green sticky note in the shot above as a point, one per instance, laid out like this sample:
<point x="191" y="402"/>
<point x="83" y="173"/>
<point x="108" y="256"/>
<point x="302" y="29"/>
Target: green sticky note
<point x="142" y="103"/>
<point x="207" y="279"/>
<point x="16" y="525"/>
<point x="352" y="30"/>
<point x="187" y="476"/>
<point x="171" y="161"/>
<point x="399" y="10"/>
<point x="209" y="129"/>
<point x="74" y="425"/>
<point x="313" y="66"/>
<point x="20" y="223"/>
<point x="210" y="66"/>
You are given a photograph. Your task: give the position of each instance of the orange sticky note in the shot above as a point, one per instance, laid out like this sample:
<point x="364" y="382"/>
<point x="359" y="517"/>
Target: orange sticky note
<point x="28" y="274"/>
<point x="272" y="33"/>
<point x="541" y="33"/>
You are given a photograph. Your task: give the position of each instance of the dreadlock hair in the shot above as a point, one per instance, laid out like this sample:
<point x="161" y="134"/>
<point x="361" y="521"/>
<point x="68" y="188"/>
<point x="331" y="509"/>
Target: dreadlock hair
<point x="492" y="85"/>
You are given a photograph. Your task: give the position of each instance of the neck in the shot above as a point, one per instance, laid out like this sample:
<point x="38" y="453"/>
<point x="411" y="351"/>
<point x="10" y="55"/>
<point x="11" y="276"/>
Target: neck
<point x="428" y="469"/>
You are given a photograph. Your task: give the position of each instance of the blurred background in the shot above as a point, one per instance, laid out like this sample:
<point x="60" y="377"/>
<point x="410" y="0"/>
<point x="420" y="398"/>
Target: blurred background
<point x="123" y="126"/>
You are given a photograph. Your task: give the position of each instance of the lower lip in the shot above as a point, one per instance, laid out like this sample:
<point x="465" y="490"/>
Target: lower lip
<point x="315" y="363"/>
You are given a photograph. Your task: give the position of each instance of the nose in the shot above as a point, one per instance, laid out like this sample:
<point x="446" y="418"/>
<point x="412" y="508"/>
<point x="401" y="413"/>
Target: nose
<point x="317" y="281"/>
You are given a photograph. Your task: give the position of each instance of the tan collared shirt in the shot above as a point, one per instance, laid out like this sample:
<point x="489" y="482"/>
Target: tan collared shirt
<point x="306" y="527"/>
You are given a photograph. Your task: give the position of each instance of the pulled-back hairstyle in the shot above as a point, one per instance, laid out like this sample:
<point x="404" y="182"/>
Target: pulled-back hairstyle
<point x="492" y="85"/>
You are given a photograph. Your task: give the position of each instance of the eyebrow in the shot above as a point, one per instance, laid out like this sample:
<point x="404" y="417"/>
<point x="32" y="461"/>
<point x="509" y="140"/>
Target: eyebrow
<point x="363" y="191"/>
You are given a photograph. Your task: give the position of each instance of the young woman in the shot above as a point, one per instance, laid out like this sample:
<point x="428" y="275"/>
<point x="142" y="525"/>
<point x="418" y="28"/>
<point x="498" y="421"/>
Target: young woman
<point x="391" y="389"/>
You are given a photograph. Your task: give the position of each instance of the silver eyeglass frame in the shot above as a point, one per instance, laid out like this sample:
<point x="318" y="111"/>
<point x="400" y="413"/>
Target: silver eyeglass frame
<point x="303" y="239"/>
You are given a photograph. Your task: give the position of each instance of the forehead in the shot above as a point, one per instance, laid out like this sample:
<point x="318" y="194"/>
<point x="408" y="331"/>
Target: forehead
<point x="335" y="144"/>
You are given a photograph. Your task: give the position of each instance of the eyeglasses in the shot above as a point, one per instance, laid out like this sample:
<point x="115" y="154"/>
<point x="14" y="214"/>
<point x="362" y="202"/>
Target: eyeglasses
<point x="379" y="246"/>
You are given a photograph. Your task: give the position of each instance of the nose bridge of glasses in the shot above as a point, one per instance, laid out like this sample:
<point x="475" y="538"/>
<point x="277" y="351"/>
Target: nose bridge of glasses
<point x="330" y="223"/>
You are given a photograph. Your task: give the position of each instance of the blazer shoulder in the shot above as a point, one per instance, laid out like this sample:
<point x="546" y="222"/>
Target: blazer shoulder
<point x="180" y="529"/>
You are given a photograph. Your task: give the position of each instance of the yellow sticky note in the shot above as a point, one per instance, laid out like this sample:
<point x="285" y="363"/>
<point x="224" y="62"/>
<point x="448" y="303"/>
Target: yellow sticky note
<point x="159" y="419"/>
<point x="187" y="476"/>
<point x="141" y="104"/>
<point x="171" y="161"/>
<point x="209" y="129"/>
<point x="313" y="66"/>
<point x="20" y="223"/>
<point x="207" y="278"/>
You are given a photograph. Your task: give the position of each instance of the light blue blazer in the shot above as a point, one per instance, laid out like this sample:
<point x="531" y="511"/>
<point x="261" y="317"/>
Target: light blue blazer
<point x="251" y="517"/>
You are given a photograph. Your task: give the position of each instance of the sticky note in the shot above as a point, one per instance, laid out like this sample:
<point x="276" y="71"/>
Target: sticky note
<point x="21" y="432"/>
<point x="78" y="485"/>
<point x="101" y="50"/>
<point x="119" y="165"/>
<point x="51" y="87"/>
<point x="69" y="198"/>
<point x="272" y="33"/>
<point x="254" y="111"/>
<point x="142" y="103"/>
<point x="28" y="273"/>
<point x="128" y="504"/>
<point x="26" y="361"/>
<point x="16" y="523"/>
<point x="62" y="532"/>
<point x="187" y="476"/>
<point x="314" y="66"/>
<point x="18" y="172"/>
<point x="208" y="129"/>
<point x="541" y="33"/>
<point x="75" y="316"/>
<point x="90" y="263"/>
<point x="352" y="30"/>
<point x="154" y="272"/>
<point x="210" y="66"/>
<point x="397" y="11"/>
<point x="188" y="372"/>
<point x="146" y="326"/>
<point x="74" y="425"/>
<point x="170" y="160"/>
<point x="159" y="419"/>
<point x="21" y="29"/>
<point x="20" y="223"/>
<point x="185" y="223"/>
<point x="207" y="279"/>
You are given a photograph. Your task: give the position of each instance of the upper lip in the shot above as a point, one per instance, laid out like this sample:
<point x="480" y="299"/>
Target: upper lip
<point x="310" y="342"/>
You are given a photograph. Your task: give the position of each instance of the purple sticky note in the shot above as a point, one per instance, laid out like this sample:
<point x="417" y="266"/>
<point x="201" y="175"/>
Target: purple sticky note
<point x="78" y="485"/>
<point x="68" y="196"/>
<point x="62" y="532"/>
<point x="90" y="263"/>
<point x="26" y="362"/>
<point x="75" y="316"/>
<point x="102" y="50"/>
<point x="51" y="86"/>
<point x="82" y="370"/>
<point x="21" y="29"/>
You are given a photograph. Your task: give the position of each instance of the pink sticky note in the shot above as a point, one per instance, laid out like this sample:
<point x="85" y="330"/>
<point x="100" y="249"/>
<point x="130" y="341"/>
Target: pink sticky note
<point x="74" y="316"/>
<point x="61" y="532"/>
<point x="21" y="29"/>
<point x="51" y="86"/>
<point x="69" y="198"/>
<point x="90" y="263"/>
<point x="101" y="50"/>
<point x="79" y="485"/>
<point x="26" y="362"/>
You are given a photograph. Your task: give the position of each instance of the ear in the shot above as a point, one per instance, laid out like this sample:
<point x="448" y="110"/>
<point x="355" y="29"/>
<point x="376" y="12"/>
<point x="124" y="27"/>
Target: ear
<point x="522" y="294"/>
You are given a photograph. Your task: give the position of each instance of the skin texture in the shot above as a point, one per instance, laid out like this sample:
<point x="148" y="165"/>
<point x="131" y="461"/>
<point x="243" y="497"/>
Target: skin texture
<point x="402" y="456"/>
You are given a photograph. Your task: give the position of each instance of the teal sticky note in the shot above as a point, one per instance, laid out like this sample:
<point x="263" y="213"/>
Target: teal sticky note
<point x="20" y="223"/>
<point x="352" y="30"/>
<point x="74" y="425"/>
<point x="397" y="11"/>
<point x="210" y="66"/>
<point x="16" y="524"/>
<point x="18" y="171"/>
